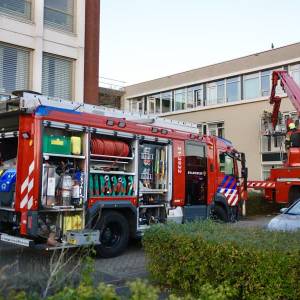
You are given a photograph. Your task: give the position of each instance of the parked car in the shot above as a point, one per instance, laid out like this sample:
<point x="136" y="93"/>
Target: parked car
<point x="288" y="220"/>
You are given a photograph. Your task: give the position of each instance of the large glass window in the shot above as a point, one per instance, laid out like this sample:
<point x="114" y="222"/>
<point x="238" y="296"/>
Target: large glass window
<point x="157" y="103"/>
<point x="57" y="76"/>
<point x="251" y="86"/>
<point x="14" y="68"/>
<point x="214" y="128"/>
<point x="151" y="105"/>
<point x="199" y="96"/>
<point x="215" y="92"/>
<point x="221" y="91"/>
<point x="137" y="105"/>
<point x="20" y="8"/>
<point x="166" y="102"/>
<point x="179" y="99"/>
<point x="59" y="14"/>
<point x="295" y="73"/>
<point x="233" y="92"/>
<point x="154" y="104"/>
<point x="265" y="83"/>
<point x="211" y="93"/>
<point x="194" y="96"/>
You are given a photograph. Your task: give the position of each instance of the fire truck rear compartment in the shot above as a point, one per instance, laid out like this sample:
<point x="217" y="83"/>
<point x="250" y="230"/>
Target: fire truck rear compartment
<point x="9" y="126"/>
<point x="8" y="160"/>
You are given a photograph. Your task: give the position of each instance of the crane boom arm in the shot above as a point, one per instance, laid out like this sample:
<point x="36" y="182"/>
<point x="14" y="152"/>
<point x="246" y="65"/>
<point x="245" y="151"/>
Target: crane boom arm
<point x="290" y="87"/>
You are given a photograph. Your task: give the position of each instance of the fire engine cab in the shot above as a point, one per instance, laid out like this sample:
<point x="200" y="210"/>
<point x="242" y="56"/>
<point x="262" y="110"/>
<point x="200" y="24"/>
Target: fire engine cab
<point x="73" y="174"/>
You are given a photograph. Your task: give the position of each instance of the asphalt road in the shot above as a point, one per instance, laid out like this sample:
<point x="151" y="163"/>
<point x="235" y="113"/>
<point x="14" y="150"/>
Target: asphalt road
<point x="32" y="265"/>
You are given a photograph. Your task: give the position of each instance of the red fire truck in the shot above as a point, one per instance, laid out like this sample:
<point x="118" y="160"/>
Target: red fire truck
<point x="74" y="174"/>
<point x="283" y="184"/>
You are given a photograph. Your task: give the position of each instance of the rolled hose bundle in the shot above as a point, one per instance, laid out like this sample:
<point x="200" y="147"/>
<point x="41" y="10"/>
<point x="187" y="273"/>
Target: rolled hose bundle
<point x="108" y="147"/>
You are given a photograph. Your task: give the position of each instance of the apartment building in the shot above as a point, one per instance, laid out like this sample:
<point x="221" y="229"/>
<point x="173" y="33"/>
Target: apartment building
<point x="42" y="47"/>
<point x="227" y="99"/>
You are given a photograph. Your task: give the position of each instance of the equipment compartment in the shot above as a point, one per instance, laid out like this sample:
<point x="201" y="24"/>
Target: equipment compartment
<point x="153" y="184"/>
<point x="64" y="166"/>
<point x="112" y="167"/>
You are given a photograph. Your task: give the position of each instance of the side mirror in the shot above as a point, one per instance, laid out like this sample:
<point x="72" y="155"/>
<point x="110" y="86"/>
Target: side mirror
<point x="283" y="210"/>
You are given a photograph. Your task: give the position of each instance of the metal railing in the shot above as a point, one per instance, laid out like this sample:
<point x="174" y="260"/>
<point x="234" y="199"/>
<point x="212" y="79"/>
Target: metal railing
<point x="112" y="84"/>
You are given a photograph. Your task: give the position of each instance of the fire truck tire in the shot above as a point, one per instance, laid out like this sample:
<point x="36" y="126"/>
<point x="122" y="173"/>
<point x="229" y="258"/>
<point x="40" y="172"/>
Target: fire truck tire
<point x="114" y="234"/>
<point x="220" y="214"/>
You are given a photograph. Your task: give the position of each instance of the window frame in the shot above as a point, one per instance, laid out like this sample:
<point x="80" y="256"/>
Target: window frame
<point x="57" y="26"/>
<point x="248" y="77"/>
<point x="72" y="64"/>
<point x="16" y="14"/>
<point x="28" y="80"/>
<point x="222" y="165"/>
<point x="238" y="81"/>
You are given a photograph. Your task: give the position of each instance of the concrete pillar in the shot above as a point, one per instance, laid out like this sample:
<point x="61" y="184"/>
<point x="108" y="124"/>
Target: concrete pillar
<point x="37" y="53"/>
<point x="91" y="52"/>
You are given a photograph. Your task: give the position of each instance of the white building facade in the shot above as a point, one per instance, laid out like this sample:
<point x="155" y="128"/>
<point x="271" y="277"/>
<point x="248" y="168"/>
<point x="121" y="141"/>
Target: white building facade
<point x="42" y="47"/>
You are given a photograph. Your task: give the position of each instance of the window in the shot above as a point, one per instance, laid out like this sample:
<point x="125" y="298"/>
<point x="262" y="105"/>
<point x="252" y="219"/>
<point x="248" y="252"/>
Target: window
<point x="233" y="92"/>
<point x="199" y="96"/>
<point x="226" y="164"/>
<point x="194" y="96"/>
<point x="137" y="105"/>
<point x="265" y="83"/>
<point x="157" y="103"/>
<point x="211" y="93"/>
<point x="14" y="68"/>
<point x="215" y="92"/>
<point x="166" y="101"/>
<point x="151" y="104"/>
<point x="214" y="128"/>
<point x="19" y="8"/>
<point x="295" y="73"/>
<point x="57" y="76"/>
<point x="179" y="98"/>
<point x="59" y="14"/>
<point x="221" y="91"/>
<point x="251" y="86"/>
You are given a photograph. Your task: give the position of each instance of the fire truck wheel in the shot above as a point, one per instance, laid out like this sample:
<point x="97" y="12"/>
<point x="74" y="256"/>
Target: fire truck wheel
<point x="114" y="234"/>
<point x="220" y="214"/>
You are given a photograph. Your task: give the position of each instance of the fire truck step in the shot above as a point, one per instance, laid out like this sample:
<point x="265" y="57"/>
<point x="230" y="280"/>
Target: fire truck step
<point x="16" y="240"/>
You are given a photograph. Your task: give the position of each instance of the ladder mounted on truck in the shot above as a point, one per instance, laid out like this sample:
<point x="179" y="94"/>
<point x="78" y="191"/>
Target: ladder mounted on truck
<point x="27" y="101"/>
<point x="290" y="87"/>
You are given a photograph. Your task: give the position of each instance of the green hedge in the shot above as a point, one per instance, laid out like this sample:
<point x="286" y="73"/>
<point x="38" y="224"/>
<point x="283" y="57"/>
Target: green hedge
<point x="257" y="205"/>
<point x="254" y="263"/>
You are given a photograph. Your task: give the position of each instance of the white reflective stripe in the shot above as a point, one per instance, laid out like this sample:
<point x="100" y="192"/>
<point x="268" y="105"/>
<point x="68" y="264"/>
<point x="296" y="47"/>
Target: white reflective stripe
<point x="263" y="184"/>
<point x="30" y="202"/>
<point x="24" y="201"/>
<point x="24" y="185"/>
<point x="31" y="168"/>
<point x="228" y="192"/>
<point x="30" y="185"/>
<point x="287" y="179"/>
<point x="232" y="196"/>
<point x="235" y="201"/>
<point x="222" y="191"/>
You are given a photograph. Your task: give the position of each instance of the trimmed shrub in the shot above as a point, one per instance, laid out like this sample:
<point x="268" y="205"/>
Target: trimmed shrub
<point x="254" y="263"/>
<point x="257" y="205"/>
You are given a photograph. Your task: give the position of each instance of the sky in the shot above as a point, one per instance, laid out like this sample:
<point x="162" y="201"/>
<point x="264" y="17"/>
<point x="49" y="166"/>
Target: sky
<point x="142" y="40"/>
